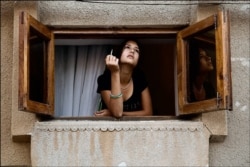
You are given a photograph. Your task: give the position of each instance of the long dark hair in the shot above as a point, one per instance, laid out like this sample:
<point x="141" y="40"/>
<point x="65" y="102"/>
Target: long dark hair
<point x="193" y="62"/>
<point x="193" y="59"/>
<point x="118" y="52"/>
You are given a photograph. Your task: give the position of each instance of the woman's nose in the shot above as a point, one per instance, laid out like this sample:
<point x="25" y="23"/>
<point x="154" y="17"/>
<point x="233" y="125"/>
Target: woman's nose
<point x="132" y="49"/>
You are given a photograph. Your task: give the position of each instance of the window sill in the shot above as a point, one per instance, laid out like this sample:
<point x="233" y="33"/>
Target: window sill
<point x="101" y="143"/>
<point x="215" y="122"/>
<point x="125" y="118"/>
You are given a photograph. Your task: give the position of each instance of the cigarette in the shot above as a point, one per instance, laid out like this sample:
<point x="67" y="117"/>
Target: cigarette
<point x="111" y="52"/>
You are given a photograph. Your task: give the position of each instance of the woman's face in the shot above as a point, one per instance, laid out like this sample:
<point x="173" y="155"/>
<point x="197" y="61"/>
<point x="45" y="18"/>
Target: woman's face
<point x="130" y="53"/>
<point x="205" y="62"/>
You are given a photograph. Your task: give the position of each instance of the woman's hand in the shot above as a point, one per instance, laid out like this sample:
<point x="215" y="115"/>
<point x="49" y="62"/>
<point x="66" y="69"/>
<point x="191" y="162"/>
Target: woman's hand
<point x="101" y="113"/>
<point x="112" y="63"/>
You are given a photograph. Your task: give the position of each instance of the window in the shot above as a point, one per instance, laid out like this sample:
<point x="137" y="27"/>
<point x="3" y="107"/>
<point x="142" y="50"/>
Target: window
<point x="36" y="68"/>
<point x="165" y="62"/>
<point x="213" y="34"/>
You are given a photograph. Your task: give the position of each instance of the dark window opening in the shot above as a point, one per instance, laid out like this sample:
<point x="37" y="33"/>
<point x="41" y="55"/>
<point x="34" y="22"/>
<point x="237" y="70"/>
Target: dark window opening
<point x="38" y="68"/>
<point x="157" y="60"/>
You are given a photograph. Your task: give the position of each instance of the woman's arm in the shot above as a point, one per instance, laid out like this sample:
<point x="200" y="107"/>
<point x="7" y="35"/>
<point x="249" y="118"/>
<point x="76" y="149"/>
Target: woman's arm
<point x="114" y="105"/>
<point x="146" y="105"/>
<point x="113" y="98"/>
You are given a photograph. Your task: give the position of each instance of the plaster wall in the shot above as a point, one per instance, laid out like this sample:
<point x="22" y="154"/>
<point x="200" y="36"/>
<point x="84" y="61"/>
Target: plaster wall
<point x="76" y="13"/>
<point x="120" y="143"/>
<point x="12" y="153"/>
<point x="233" y="151"/>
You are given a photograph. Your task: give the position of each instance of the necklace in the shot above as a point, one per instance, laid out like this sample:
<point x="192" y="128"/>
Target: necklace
<point x="126" y="87"/>
<point x="199" y="91"/>
<point x="199" y="94"/>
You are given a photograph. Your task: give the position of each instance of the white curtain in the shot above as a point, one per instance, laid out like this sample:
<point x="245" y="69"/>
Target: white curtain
<point x="76" y="72"/>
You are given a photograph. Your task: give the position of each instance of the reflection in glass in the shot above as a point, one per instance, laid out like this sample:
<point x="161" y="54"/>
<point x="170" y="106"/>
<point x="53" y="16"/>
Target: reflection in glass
<point x="201" y="76"/>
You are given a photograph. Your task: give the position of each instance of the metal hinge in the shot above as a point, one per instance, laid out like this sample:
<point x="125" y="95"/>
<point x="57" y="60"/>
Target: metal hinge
<point x="228" y="103"/>
<point x="218" y="100"/>
<point x="22" y="17"/>
<point x="215" y="21"/>
<point x="224" y="16"/>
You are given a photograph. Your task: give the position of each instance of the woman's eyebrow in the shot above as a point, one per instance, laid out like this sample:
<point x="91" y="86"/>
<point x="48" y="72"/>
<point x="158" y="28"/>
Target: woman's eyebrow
<point x="136" y="47"/>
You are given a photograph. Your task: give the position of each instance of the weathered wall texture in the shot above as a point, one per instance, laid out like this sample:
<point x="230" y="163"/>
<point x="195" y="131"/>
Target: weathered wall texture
<point x="94" y="14"/>
<point x="117" y="143"/>
<point x="233" y="151"/>
<point x="11" y="153"/>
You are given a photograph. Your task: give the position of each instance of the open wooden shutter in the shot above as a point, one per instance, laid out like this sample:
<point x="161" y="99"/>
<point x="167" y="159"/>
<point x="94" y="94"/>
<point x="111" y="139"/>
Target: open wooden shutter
<point x="216" y="26"/>
<point x="36" y="66"/>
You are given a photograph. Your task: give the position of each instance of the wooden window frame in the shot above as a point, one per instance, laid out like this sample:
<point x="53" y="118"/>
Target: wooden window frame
<point x="27" y="22"/>
<point x="223" y="101"/>
<point x="50" y="33"/>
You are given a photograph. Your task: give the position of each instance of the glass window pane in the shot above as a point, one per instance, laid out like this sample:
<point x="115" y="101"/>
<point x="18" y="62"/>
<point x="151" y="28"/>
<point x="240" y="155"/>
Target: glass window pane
<point x="201" y="73"/>
<point x="37" y="68"/>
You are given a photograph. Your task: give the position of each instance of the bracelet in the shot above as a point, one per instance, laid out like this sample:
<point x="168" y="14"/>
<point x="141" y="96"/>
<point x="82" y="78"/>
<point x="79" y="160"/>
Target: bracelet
<point x="115" y="96"/>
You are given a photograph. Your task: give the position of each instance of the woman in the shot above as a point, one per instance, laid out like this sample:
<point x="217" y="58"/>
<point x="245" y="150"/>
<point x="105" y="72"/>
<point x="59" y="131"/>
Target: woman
<point x="123" y="87"/>
<point x="200" y="67"/>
